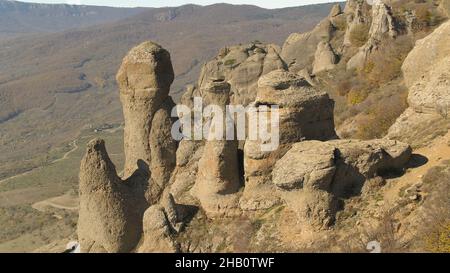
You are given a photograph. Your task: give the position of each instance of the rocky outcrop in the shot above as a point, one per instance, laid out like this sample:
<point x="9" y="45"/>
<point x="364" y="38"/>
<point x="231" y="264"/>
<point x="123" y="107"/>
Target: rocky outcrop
<point x="382" y="26"/>
<point x="241" y="66"/>
<point x="306" y="168"/>
<point x="158" y="236"/>
<point x="163" y="149"/>
<point x="382" y="22"/>
<point x="356" y="12"/>
<point x="426" y="73"/>
<point x="304" y="114"/>
<point x="324" y="58"/>
<point x="218" y="179"/>
<point x="111" y="210"/>
<point x="335" y="11"/>
<point x="144" y="79"/>
<point x="313" y="175"/>
<point x="426" y="53"/>
<point x="299" y="48"/>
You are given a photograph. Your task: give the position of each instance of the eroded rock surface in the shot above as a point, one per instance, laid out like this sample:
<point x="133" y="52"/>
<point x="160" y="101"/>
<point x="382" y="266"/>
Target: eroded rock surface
<point x="382" y="26"/>
<point x="241" y="66"/>
<point x="144" y="79"/>
<point x="313" y="174"/>
<point x="304" y="114"/>
<point x="111" y="210"/>
<point x="324" y="58"/>
<point x="426" y="73"/>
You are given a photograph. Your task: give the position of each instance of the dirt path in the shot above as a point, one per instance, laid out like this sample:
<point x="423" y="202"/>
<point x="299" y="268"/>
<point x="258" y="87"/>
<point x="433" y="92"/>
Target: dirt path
<point x="437" y="152"/>
<point x="48" y="203"/>
<point x="67" y="201"/>
<point x="65" y="156"/>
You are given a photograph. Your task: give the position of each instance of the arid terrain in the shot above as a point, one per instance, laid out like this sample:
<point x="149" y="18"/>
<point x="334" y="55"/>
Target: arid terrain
<point x="364" y="151"/>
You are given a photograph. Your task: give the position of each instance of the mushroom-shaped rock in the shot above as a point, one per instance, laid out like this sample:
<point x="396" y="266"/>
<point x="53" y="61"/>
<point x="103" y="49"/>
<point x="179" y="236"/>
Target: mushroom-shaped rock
<point x="144" y="79"/>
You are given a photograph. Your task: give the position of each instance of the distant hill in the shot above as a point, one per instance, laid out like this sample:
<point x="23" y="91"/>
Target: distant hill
<point x="18" y="18"/>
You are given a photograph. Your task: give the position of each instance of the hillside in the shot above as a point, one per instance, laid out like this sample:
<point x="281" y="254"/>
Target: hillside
<point x="53" y="85"/>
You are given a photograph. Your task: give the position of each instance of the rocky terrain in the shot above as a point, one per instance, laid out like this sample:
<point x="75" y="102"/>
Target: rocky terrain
<point x="321" y="190"/>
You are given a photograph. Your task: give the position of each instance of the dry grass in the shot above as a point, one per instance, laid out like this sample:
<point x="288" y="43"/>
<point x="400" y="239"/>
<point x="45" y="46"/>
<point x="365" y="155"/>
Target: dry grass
<point x="359" y="35"/>
<point x="434" y="235"/>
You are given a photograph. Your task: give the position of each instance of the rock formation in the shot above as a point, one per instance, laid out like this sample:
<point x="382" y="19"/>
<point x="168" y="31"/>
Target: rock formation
<point x="304" y="114"/>
<point x="335" y="11"/>
<point x="426" y="73"/>
<point x="144" y="79"/>
<point x="324" y="58"/>
<point x="308" y="169"/>
<point x="356" y="16"/>
<point x="217" y="180"/>
<point x="242" y="66"/>
<point x="382" y="25"/>
<point x="313" y="175"/>
<point x="163" y="149"/>
<point x="218" y="177"/>
<point x="157" y="236"/>
<point x="299" y="48"/>
<point x="426" y="53"/>
<point x="111" y="210"/>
